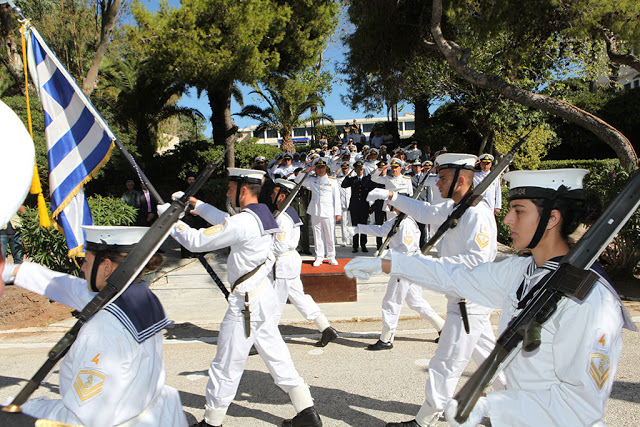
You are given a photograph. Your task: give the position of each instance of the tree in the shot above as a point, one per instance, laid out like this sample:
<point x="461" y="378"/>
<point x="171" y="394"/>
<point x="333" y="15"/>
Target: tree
<point x="529" y="28"/>
<point x="289" y="99"/>
<point x="213" y="44"/>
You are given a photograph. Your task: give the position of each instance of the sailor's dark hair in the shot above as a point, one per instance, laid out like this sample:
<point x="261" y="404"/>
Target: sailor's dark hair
<point x="573" y="211"/>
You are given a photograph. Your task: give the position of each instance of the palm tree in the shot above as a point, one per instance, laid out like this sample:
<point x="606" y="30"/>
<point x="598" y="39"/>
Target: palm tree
<point x="287" y="104"/>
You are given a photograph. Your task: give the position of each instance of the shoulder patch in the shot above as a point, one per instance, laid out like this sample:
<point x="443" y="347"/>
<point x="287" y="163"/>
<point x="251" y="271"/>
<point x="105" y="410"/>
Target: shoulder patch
<point x="332" y="177"/>
<point x="408" y="239"/>
<point x="281" y="235"/>
<point x="213" y="230"/>
<point x="406" y="177"/>
<point x="88" y="384"/>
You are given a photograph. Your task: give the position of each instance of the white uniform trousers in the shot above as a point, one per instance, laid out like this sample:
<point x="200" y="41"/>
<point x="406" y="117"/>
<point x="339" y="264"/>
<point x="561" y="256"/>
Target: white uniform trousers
<point x="324" y="235"/>
<point x="293" y="289"/>
<point x="398" y="291"/>
<point x="454" y="350"/>
<point x="227" y="367"/>
<point x="344" y="223"/>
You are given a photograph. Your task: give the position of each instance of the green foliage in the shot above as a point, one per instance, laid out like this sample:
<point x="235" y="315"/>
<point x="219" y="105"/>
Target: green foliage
<point x="329" y="130"/>
<point x="592" y="165"/>
<point x="47" y="246"/>
<point x="504" y="234"/>
<point x="622" y="256"/>
<point x="533" y="150"/>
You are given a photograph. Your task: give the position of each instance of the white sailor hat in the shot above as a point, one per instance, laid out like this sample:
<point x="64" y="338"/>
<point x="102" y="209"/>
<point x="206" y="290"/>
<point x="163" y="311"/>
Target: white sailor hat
<point x="373" y="150"/>
<point x="287" y="156"/>
<point x="252" y="176"/>
<point x="427" y="164"/>
<point x="344" y="165"/>
<point x="545" y="183"/>
<point x="456" y="160"/>
<point x="365" y="147"/>
<point x="285" y="184"/>
<point x="395" y="162"/>
<point x="119" y="239"/>
<point x="260" y="159"/>
<point x="416" y="162"/>
<point x="17" y="152"/>
<point x="486" y="158"/>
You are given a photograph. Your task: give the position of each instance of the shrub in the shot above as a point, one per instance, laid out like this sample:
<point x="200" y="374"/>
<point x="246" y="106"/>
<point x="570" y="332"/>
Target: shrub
<point x="47" y="246"/>
<point x="329" y="130"/>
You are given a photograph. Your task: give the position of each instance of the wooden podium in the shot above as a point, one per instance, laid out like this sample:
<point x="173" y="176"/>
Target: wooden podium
<point x="328" y="283"/>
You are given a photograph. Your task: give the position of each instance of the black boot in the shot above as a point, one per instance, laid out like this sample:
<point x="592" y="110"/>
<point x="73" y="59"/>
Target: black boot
<point x="328" y="335"/>
<point x="412" y="423"/>
<point x="380" y="345"/>
<point x="306" y="418"/>
<point x="437" y="340"/>
<point x="203" y="423"/>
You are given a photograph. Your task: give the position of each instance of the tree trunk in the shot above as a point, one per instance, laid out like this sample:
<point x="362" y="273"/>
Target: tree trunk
<point x="224" y="130"/>
<point x="287" y="142"/>
<point x="394" y="120"/>
<point x="421" y="108"/>
<point x="613" y="137"/>
<point x="13" y="61"/>
<point x="109" y="13"/>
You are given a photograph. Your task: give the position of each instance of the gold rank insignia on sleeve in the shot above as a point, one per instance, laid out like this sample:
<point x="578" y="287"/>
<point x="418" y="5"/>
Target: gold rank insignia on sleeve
<point x="599" y="369"/>
<point x="88" y="384"/>
<point x="408" y="239"/>
<point x="482" y="240"/>
<point x="281" y="236"/>
<point x="213" y="230"/>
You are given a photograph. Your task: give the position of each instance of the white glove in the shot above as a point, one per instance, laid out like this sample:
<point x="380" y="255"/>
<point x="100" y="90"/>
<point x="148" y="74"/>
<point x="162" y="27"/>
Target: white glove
<point x="7" y="273"/>
<point x="352" y="231"/>
<point x="478" y="412"/>
<point x="162" y="208"/>
<point x="377" y="194"/>
<point x="177" y="195"/>
<point x="363" y="267"/>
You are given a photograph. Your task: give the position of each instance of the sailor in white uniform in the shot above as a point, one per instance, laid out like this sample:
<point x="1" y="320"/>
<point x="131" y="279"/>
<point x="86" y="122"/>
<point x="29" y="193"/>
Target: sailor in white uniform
<point x="471" y="243"/>
<point x="113" y="373"/>
<point x="406" y="240"/>
<point x="289" y="264"/>
<point x="325" y="208"/>
<point x="393" y="181"/>
<point x="283" y="167"/>
<point x="568" y="379"/>
<point x="493" y="194"/>
<point x="252" y="313"/>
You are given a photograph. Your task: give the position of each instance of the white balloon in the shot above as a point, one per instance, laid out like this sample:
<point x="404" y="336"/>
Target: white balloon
<point x="17" y="157"/>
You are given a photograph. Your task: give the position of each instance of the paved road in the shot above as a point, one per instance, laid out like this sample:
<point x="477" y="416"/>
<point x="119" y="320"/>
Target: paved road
<point x="351" y="386"/>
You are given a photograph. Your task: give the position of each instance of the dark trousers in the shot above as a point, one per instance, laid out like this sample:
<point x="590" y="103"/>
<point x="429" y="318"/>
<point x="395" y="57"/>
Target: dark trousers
<point x="359" y="217"/>
<point x="380" y="217"/>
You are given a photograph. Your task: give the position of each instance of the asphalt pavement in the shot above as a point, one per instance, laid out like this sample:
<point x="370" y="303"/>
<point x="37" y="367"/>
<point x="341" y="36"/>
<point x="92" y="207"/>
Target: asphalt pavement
<point x="350" y="385"/>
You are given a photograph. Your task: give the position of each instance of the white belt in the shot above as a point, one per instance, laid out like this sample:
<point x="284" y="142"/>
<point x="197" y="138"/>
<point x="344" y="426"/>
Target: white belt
<point x="255" y="291"/>
<point x="287" y="253"/>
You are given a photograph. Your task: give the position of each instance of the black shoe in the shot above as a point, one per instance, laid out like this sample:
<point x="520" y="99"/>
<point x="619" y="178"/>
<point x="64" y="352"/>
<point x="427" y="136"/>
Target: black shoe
<point x="306" y="418"/>
<point x="365" y="250"/>
<point x="203" y="423"/>
<point x="328" y="335"/>
<point x="305" y="252"/>
<point x="412" y="423"/>
<point x="437" y="340"/>
<point x="253" y="351"/>
<point x="354" y="250"/>
<point x="380" y="345"/>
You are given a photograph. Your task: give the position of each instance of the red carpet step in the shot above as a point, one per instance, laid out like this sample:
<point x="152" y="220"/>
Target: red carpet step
<point x="328" y="283"/>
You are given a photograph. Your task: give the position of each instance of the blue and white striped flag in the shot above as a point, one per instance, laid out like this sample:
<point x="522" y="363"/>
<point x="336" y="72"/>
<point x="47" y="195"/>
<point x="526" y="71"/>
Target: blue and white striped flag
<point x="78" y="141"/>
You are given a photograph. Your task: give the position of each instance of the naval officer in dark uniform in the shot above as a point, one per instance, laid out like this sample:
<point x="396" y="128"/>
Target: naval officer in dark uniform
<point x="358" y="206"/>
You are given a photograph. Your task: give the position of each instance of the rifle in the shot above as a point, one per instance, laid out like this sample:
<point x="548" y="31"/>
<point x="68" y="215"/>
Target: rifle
<point x="474" y="196"/>
<point x="402" y="215"/>
<point x="571" y="279"/>
<point x="287" y="201"/>
<point x="117" y="283"/>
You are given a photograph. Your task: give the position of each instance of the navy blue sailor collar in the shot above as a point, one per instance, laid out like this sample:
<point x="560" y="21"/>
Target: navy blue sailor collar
<point x="263" y="215"/>
<point x="140" y="311"/>
<point x="294" y="216"/>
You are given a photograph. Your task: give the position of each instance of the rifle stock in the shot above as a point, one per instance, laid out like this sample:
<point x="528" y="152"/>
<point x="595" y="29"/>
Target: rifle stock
<point x="571" y="279"/>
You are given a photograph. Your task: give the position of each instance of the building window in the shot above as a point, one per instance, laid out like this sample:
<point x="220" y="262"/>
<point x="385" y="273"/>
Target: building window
<point x="259" y="135"/>
<point x="366" y="127"/>
<point x="299" y="132"/>
<point x="627" y="86"/>
<point x="409" y="125"/>
<point x="636" y="83"/>
<point x="272" y="133"/>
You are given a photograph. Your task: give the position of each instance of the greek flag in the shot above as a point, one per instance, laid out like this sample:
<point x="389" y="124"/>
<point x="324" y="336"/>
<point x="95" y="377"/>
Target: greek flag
<point x="78" y="140"/>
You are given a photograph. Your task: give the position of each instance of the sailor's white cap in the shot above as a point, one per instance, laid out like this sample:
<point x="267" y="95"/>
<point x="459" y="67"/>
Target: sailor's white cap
<point x="416" y="162"/>
<point x="544" y="183"/>
<point x="112" y="238"/>
<point x="18" y="156"/>
<point x="260" y="159"/>
<point x="456" y="160"/>
<point x="252" y="176"/>
<point x="427" y="164"/>
<point x="289" y="185"/>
